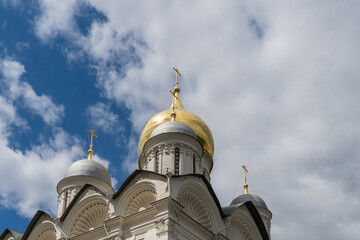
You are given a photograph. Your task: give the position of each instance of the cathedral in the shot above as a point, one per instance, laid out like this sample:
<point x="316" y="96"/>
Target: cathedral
<point x="169" y="197"/>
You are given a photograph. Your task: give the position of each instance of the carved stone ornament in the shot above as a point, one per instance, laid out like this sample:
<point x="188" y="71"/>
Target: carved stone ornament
<point x="90" y="192"/>
<point x="239" y="228"/>
<point x="160" y="225"/>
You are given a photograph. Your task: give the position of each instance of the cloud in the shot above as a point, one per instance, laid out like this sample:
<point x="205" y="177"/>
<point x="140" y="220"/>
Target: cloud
<point x="56" y="18"/>
<point x="101" y="117"/>
<point x="11" y="3"/>
<point x="22" y="172"/>
<point x="9" y="117"/>
<point x="14" y="88"/>
<point x="276" y="82"/>
<point x="21" y="46"/>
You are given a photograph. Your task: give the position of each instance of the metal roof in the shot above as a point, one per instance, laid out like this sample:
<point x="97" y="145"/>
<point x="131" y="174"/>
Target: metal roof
<point x="255" y="199"/>
<point x="90" y="168"/>
<point x="173" y="127"/>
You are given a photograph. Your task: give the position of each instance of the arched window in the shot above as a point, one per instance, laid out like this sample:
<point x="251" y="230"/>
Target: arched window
<point x="177" y="160"/>
<point x="157" y="161"/>
<point x="194" y="167"/>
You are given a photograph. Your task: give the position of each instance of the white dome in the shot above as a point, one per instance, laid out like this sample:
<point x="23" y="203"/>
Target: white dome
<point x="88" y="168"/>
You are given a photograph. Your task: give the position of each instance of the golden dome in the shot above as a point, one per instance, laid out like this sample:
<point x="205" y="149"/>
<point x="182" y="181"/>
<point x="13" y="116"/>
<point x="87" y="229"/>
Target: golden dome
<point x="178" y="113"/>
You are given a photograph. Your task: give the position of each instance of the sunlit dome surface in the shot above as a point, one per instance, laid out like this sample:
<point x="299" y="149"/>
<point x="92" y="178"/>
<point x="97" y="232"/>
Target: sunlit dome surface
<point x="199" y="127"/>
<point x="173" y="127"/>
<point x="88" y="168"/>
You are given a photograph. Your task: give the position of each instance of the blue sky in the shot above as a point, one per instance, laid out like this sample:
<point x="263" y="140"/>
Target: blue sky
<point x="276" y="82"/>
<point x="69" y="85"/>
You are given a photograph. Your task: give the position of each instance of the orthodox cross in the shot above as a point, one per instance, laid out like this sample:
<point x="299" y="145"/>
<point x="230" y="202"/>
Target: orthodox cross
<point x="245" y="185"/>
<point x="91" y="144"/>
<point x="177" y="73"/>
<point x="177" y="83"/>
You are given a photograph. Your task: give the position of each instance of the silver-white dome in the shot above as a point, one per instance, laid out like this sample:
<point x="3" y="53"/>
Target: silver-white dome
<point x="89" y="168"/>
<point x="255" y="199"/>
<point x="173" y="127"/>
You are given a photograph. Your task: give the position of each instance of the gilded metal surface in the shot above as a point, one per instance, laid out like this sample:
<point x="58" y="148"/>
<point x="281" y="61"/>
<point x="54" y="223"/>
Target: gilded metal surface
<point x="91" y="144"/>
<point x="178" y="113"/>
<point x="246" y="186"/>
<point x="200" y="128"/>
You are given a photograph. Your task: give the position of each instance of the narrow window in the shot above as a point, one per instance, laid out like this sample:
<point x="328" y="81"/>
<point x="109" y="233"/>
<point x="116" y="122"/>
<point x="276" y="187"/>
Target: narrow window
<point x="65" y="200"/>
<point x="177" y="159"/>
<point x="157" y="161"/>
<point x="194" y="164"/>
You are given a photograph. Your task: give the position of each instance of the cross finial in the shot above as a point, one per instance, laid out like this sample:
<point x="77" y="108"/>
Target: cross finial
<point x="91" y="144"/>
<point x="177" y="73"/>
<point x="245" y="185"/>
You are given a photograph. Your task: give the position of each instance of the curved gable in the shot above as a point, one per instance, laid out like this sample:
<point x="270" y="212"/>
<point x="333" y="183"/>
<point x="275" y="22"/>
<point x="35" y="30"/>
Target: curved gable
<point x="195" y="207"/>
<point x="87" y="211"/>
<point x="41" y="227"/>
<point x="10" y="235"/>
<point x="90" y="218"/>
<point x="138" y="192"/>
<point x="245" y="222"/>
<point x="140" y="201"/>
<point x="198" y="200"/>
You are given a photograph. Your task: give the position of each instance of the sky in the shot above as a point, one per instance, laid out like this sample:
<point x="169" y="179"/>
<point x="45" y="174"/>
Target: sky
<point x="277" y="82"/>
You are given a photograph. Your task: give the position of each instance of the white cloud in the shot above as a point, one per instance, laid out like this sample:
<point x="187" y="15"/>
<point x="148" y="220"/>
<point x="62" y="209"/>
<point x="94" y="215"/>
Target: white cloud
<point x="101" y="117"/>
<point x="284" y="102"/>
<point x="22" y="172"/>
<point x="14" y="88"/>
<point x="9" y="117"/>
<point x="57" y="18"/>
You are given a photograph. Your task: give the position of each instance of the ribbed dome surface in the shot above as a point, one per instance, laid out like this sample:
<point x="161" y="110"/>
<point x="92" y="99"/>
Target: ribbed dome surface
<point x="173" y="127"/>
<point x="255" y="199"/>
<point x="89" y="168"/>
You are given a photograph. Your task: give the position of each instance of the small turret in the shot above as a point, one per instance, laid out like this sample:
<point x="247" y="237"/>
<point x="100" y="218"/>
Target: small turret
<point x="81" y="172"/>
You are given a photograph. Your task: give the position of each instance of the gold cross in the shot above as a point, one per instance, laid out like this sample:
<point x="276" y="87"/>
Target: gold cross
<point x="177" y="73"/>
<point x="173" y="93"/>
<point x="91" y="144"/>
<point x="245" y="185"/>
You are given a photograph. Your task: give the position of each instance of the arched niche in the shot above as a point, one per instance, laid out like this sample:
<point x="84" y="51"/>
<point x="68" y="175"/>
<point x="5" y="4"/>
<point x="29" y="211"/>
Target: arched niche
<point x="141" y="201"/>
<point x="137" y="198"/>
<point x="242" y="226"/>
<point x="44" y="230"/>
<point x="89" y="211"/>
<point x="91" y="217"/>
<point x="193" y="191"/>
<point x="195" y="207"/>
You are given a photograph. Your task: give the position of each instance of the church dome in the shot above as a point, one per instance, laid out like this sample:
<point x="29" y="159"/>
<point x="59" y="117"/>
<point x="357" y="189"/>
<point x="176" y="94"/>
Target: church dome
<point x="88" y="168"/>
<point x="255" y="199"/>
<point x="176" y="112"/>
<point x="173" y="127"/>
